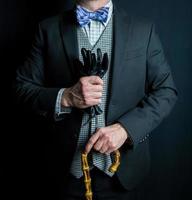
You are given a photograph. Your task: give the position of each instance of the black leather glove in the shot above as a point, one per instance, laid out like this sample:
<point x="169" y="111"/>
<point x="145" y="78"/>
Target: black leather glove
<point x="94" y="65"/>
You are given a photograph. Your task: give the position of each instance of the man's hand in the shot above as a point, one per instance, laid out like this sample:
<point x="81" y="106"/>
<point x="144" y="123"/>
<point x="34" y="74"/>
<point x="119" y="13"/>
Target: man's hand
<point x="108" y="139"/>
<point x="85" y="93"/>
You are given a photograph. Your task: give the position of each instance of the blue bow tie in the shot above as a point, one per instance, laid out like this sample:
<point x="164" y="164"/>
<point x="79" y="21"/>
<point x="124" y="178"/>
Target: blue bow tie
<point x="84" y="17"/>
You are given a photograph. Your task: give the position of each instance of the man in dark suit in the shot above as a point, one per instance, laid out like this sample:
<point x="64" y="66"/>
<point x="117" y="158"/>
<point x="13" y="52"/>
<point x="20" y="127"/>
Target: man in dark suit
<point x="135" y="94"/>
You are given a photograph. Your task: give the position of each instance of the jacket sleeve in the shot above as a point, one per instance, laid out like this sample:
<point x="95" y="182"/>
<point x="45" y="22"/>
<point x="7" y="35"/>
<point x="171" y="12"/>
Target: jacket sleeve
<point x="161" y="95"/>
<point x="29" y="84"/>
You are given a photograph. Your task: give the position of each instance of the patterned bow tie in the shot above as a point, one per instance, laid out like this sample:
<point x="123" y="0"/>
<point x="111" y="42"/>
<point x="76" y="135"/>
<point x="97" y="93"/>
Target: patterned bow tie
<point x="84" y="17"/>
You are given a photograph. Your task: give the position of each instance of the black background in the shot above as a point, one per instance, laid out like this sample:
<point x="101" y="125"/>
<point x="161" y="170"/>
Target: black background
<point x="171" y="149"/>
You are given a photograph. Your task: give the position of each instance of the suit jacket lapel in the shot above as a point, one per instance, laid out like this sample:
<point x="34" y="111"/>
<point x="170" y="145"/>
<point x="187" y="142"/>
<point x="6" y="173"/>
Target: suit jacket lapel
<point x="120" y="40"/>
<point x="68" y="27"/>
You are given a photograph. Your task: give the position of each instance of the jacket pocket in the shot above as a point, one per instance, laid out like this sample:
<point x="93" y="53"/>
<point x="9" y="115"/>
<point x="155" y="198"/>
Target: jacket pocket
<point x="135" y="53"/>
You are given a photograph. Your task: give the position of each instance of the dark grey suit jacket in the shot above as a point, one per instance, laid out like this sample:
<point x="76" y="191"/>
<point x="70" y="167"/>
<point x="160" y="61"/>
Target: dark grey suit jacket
<point x="141" y="95"/>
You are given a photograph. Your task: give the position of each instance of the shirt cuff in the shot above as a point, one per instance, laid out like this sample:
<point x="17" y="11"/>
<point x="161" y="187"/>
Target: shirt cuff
<point x="59" y="109"/>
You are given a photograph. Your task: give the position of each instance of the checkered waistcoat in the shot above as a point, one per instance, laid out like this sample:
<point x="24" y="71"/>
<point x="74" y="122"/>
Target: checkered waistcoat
<point x="96" y="159"/>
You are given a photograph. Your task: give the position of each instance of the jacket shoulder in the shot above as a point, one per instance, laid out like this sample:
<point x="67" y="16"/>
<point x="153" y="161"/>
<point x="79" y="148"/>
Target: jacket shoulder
<point x="140" y="23"/>
<point x="141" y="27"/>
<point x="135" y="20"/>
<point x="53" y="22"/>
<point x="50" y="22"/>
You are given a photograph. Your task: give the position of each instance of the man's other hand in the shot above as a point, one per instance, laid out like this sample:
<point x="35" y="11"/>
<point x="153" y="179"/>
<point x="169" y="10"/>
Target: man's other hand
<point x="107" y="139"/>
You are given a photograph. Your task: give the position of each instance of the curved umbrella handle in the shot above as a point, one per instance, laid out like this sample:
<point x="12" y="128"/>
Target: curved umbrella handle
<point x="115" y="165"/>
<point x="86" y="172"/>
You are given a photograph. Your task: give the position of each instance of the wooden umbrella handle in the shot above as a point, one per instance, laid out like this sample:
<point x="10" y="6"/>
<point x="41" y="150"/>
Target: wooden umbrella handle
<point x="115" y="165"/>
<point x="86" y="172"/>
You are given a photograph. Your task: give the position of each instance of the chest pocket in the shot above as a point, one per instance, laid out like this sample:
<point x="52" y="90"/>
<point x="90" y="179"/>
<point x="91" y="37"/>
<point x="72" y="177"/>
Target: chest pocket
<point x="134" y="53"/>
